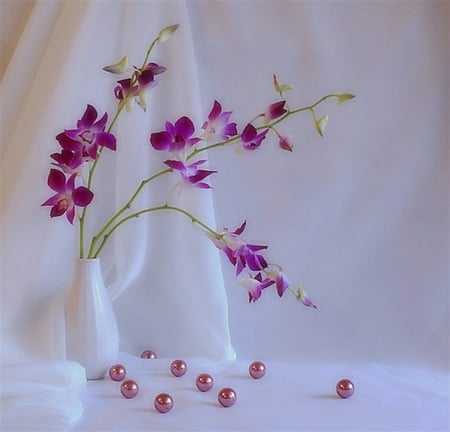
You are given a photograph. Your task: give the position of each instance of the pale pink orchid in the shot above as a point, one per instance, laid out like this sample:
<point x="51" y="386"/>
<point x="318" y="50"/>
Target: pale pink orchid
<point x="280" y="279"/>
<point x="255" y="285"/>
<point x="218" y="124"/>
<point x="190" y="173"/>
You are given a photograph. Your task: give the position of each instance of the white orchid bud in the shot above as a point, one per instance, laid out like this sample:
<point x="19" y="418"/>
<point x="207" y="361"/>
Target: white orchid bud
<point x="321" y="124"/>
<point x="118" y="68"/>
<point x="344" y="97"/>
<point x="167" y="32"/>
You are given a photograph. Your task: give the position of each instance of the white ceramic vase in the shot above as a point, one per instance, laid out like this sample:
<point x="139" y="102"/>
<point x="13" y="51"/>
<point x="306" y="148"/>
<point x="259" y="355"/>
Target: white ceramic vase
<point x="92" y="337"/>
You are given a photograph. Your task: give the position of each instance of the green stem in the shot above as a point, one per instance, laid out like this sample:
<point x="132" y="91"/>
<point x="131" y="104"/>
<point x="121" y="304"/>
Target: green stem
<point x="150" y="48"/>
<point x="123" y="209"/>
<point x="150" y="210"/>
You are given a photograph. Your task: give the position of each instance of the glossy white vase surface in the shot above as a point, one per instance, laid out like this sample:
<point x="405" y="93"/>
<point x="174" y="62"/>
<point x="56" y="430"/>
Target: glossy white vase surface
<point x="92" y="337"/>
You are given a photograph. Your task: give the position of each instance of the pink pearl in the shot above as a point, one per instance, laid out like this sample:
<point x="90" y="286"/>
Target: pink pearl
<point x="178" y="368"/>
<point x="345" y="388"/>
<point x="148" y="354"/>
<point x="257" y="369"/>
<point x="227" y="397"/>
<point x="204" y="382"/>
<point x="163" y="403"/>
<point x="129" y="389"/>
<point x="117" y="372"/>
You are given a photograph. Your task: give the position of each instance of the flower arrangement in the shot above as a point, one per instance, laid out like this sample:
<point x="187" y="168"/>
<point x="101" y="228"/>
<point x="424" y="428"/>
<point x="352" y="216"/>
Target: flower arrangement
<point x="71" y="176"/>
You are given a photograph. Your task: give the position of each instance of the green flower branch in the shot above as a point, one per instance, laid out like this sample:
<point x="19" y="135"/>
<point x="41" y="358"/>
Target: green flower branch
<point x="107" y="233"/>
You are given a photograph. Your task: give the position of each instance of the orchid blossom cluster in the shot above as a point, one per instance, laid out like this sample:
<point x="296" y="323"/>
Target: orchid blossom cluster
<point x="73" y="167"/>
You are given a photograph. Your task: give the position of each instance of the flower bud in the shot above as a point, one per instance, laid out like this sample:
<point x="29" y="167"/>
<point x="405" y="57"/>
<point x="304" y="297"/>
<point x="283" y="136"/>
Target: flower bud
<point x="280" y="88"/>
<point x="118" y="68"/>
<point x="321" y="124"/>
<point x="344" y="97"/>
<point x="285" y="143"/>
<point x="167" y="32"/>
<point x="302" y="297"/>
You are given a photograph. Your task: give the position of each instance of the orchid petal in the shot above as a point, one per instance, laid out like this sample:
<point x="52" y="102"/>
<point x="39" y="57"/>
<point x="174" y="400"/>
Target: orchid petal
<point x="241" y="229"/>
<point x="275" y="110"/>
<point x="230" y="130"/>
<point x="176" y="165"/>
<point x="101" y="123"/>
<point x="160" y="140"/>
<point x="215" y="111"/>
<point x="184" y="127"/>
<point x="155" y="68"/>
<point x="92" y="150"/>
<point x="106" y="139"/>
<point x="82" y="196"/>
<point x="70" y="214"/>
<point x="282" y="283"/>
<point x="145" y="78"/>
<point x="88" y="118"/>
<point x="249" y="133"/>
<point x="59" y="208"/>
<point x="66" y="142"/>
<point x="56" y="180"/>
<point x="51" y="201"/>
<point x="70" y="185"/>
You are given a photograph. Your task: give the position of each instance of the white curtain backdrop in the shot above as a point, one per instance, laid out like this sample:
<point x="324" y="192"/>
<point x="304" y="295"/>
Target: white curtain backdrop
<point x="360" y="217"/>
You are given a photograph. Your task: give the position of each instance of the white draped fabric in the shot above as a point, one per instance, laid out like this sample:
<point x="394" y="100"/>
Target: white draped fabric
<point x="360" y="217"/>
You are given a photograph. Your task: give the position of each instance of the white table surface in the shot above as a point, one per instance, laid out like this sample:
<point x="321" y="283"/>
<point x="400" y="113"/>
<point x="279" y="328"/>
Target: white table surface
<point x="292" y="396"/>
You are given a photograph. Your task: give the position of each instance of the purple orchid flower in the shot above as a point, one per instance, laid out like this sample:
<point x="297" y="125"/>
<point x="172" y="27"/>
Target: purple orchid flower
<point x="218" y="123"/>
<point x="247" y="257"/>
<point x="125" y="89"/>
<point x="67" y="195"/>
<point x="68" y="161"/>
<point x="139" y="84"/>
<point x="250" y="138"/>
<point x="88" y="136"/>
<point x="240" y="253"/>
<point x="255" y="285"/>
<point x="190" y="173"/>
<point x="176" y="137"/>
<point x="275" y="110"/>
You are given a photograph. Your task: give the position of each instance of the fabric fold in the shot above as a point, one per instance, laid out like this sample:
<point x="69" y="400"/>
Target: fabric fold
<point x="41" y="396"/>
